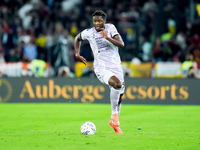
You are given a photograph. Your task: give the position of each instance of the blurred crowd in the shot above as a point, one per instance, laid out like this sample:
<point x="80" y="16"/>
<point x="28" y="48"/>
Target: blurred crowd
<point x="153" y="30"/>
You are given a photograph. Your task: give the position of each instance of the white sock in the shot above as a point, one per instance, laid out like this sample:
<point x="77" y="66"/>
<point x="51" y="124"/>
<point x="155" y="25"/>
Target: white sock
<point x="114" y="99"/>
<point x="119" y="108"/>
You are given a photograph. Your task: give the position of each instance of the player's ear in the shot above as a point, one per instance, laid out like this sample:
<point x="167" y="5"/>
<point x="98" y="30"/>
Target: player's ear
<point x="105" y="21"/>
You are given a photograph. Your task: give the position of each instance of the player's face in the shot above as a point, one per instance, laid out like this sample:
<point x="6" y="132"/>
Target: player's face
<point x="98" y="22"/>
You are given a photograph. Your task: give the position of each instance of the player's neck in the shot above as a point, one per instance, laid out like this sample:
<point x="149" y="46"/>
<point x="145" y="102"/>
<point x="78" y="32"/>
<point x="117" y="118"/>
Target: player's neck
<point x="99" y="30"/>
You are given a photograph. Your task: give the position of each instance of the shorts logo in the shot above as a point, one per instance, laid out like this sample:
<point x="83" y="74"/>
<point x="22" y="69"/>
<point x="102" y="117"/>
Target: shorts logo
<point x="98" y="76"/>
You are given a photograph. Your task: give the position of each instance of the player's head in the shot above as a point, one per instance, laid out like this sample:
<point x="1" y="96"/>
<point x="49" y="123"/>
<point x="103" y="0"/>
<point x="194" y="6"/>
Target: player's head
<point x="99" y="19"/>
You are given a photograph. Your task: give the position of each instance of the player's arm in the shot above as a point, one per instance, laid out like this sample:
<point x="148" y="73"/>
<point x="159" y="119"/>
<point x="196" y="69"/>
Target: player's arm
<point x="116" y="40"/>
<point x="77" y="45"/>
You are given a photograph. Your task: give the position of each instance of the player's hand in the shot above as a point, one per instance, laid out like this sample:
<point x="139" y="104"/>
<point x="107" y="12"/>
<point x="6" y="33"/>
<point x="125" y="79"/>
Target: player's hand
<point x="104" y="33"/>
<point x="81" y="59"/>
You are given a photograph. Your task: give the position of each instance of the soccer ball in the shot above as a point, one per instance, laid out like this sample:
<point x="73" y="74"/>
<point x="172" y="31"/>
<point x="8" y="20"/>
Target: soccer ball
<point x="88" y="128"/>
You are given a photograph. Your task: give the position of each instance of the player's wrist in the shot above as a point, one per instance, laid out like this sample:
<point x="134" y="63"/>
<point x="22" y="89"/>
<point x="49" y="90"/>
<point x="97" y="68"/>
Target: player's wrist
<point x="77" y="55"/>
<point x="107" y="38"/>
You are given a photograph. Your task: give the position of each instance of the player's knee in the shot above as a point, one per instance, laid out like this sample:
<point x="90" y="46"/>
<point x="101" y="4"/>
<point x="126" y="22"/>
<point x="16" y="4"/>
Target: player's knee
<point x="117" y="85"/>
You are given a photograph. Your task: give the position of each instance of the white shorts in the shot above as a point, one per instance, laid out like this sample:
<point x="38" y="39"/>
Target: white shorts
<point x="105" y="75"/>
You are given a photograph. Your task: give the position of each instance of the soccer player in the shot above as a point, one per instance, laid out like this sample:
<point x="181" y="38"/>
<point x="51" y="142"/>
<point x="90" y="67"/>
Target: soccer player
<point x="104" y="41"/>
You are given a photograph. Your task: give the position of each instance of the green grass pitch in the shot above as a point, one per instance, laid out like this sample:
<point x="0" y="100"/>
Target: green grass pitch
<point x="57" y="127"/>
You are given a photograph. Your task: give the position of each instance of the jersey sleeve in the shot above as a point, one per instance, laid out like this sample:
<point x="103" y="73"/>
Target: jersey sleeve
<point x="113" y="30"/>
<point x="85" y="34"/>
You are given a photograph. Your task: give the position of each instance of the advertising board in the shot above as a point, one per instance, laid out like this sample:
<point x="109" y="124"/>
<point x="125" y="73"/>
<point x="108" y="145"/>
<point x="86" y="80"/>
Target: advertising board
<point x="90" y="90"/>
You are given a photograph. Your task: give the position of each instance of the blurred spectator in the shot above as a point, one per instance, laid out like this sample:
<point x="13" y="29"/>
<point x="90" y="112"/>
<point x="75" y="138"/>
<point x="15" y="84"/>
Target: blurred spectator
<point x="187" y="64"/>
<point x="194" y="47"/>
<point x="135" y="61"/>
<point x="16" y="24"/>
<point x="37" y="67"/>
<point x="67" y="5"/>
<point x="2" y="60"/>
<point x="163" y="30"/>
<point x="2" y="53"/>
<point x="1" y="73"/>
<point x="181" y="40"/>
<point x="150" y="6"/>
<point x="195" y="40"/>
<point x="58" y="32"/>
<point x="146" y="51"/>
<point x="61" y="56"/>
<point x="50" y="3"/>
<point x="192" y="71"/>
<point x="8" y="41"/>
<point x="64" y="71"/>
<point x="73" y="29"/>
<point x="19" y="53"/>
<point x="25" y="14"/>
<point x="195" y="51"/>
<point x="12" y="56"/>
<point x="41" y="46"/>
<point x="150" y="9"/>
<point x="157" y="50"/>
<point x="30" y="52"/>
<point x="175" y="49"/>
<point x="49" y="39"/>
<point x="166" y="52"/>
<point x="23" y="36"/>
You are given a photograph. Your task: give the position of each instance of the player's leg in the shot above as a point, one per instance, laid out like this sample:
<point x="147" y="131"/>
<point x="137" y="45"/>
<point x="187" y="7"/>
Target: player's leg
<point x="119" y="104"/>
<point x="115" y="94"/>
<point x="116" y="98"/>
<point x="116" y="90"/>
<point x="115" y="82"/>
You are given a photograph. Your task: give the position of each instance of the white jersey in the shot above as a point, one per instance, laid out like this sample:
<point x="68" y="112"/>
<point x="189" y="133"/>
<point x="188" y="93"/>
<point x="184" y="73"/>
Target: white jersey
<point x="105" y="53"/>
